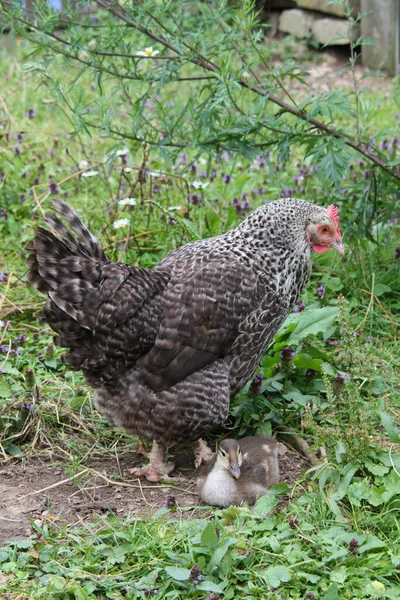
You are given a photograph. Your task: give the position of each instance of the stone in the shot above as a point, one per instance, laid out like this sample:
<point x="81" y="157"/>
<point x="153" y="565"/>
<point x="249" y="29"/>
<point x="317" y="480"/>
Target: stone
<point x="382" y="25"/>
<point x="332" y="9"/>
<point x="296" y="22"/>
<point x="334" y="32"/>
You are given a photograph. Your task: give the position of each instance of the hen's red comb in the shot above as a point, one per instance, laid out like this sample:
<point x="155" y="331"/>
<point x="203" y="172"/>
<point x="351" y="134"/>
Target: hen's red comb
<point x="333" y="213"/>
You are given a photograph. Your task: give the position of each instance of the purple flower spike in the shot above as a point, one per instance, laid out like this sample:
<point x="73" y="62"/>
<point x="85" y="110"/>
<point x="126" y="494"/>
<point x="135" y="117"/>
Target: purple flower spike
<point x="31" y="114"/>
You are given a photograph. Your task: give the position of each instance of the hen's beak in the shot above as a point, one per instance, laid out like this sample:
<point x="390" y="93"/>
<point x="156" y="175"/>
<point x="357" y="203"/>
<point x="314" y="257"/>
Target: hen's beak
<point x="338" y="245"/>
<point x="235" y="469"/>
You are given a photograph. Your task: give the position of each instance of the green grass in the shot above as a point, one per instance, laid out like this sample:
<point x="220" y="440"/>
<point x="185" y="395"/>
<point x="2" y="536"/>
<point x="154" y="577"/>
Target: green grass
<point x="337" y="536"/>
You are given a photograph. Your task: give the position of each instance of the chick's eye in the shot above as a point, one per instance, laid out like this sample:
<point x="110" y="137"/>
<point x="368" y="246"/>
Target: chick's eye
<point x="222" y="452"/>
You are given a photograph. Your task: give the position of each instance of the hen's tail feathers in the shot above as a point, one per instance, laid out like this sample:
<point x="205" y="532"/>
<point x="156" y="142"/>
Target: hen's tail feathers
<point x="56" y="254"/>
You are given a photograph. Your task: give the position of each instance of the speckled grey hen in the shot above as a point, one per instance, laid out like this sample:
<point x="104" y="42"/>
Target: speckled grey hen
<point x="166" y="348"/>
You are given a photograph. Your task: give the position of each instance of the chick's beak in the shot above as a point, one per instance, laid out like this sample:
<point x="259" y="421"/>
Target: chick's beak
<point x="235" y="469"/>
<point x="338" y="245"/>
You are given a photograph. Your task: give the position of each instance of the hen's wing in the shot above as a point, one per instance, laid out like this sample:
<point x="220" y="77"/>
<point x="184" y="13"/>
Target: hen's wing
<point x="202" y="312"/>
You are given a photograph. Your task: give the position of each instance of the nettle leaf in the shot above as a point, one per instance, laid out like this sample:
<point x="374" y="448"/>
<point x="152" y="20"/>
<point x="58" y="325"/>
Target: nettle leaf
<point x="178" y="573"/>
<point x="277" y="575"/>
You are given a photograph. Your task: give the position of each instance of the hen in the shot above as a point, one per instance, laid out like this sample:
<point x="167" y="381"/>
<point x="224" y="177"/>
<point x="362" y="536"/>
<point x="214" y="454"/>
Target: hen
<point x="166" y="348"/>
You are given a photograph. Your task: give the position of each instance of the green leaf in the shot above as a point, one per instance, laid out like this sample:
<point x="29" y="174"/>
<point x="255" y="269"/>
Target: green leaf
<point x="277" y="575"/>
<point x="380" y="289"/>
<point x="265" y="504"/>
<point x="209" y="586"/>
<point x="332" y="592"/>
<point x="178" y="573"/>
<point x="311" y="322"/>
<point x="390" y="426"/>
<point x="5" y="390"/>
<point x="209" y="537"/>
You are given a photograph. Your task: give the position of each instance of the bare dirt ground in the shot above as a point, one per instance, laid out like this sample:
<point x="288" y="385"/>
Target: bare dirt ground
<point x="34" y="490"/>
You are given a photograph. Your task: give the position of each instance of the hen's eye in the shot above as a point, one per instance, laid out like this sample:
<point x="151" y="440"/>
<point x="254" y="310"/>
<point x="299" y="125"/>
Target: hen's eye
<point x="324" y="229"/>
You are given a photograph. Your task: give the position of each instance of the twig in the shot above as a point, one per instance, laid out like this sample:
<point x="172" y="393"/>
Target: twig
<point x="57" y="484"/>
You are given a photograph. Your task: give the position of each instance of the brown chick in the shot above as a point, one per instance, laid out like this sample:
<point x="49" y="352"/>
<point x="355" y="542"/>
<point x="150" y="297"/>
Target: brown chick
<point x="242" y="471"/>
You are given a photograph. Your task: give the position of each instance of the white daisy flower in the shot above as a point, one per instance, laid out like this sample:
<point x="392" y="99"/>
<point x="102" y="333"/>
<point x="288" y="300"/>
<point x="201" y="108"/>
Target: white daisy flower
<point x="83" y="164"/>
<point x="148" y="52"/>
<point x="127" y="202"/>
<point x="120" y="223"/>
<point x="174" y="207"/>
<point x="122" y="152"/>
<point x="200" y="185"/>
<point x="91" y="173"/>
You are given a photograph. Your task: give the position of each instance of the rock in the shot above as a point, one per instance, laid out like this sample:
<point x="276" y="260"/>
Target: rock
<point x="382" y="25"/>
<point x="326" y="30"/>
<point x="296" y="22"/>
<point x="332" y="9"/>
<point x="334" y="32"/>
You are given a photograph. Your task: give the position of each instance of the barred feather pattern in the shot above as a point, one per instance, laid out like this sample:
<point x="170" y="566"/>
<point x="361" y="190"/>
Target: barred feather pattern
<point x="166" y="348"/>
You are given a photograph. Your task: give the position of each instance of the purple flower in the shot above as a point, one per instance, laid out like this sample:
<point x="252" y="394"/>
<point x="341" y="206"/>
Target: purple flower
<point x="170" y="502"/>
<point x="226" y="178"/>
<point x="356" y="334"/>
<point x="310" y="372"/>
<point x="31" y="113"/>
<point x="53" y="187"/>
<point x="195" y="199"/>
<point x="321" y="291"/>
<point x="257" y="191"/>
<point x="202" y="174"/>
<point x="256" y="383"/>
<point x="310" y="596"/>
<point x="353" y="546"/>
<point x="213" y="174"/>
<point x="20" y="136"/>
<point x="341" y="378"/>
<point x="3" y="276"/>
<point x="287" y="353"/>
<point x="397" y="253"/>
<point x="193" y="168"/>
<point x="17" y="150"/>
<point x="300" y="307"/>
<point x="369" y="338"/>
<point x="213" y="597"/>
<point x="195" y="575"/>
<point x="183" y="159"/>
<point x="3" y="214"/>
<point x="149" y="591"/>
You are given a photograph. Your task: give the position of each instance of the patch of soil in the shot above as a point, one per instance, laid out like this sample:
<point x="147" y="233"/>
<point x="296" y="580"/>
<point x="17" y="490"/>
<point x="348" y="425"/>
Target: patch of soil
<point x="39" y="490"/>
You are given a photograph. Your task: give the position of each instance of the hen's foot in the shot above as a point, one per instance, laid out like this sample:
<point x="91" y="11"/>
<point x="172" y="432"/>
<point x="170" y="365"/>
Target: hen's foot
<point x="142" y="448"/>
<point x="202" y="453"/>
<point x="158" y="467"/>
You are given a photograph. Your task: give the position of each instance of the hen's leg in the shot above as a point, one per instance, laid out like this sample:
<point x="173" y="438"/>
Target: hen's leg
<point x="202" y="453"/>
<point x="158" y="467"/>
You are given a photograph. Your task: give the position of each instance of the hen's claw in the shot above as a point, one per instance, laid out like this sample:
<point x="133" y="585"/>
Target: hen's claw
<point x="202" y="453"/>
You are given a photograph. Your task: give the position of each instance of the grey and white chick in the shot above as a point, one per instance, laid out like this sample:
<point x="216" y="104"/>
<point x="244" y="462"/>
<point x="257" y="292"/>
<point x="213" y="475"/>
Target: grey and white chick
<point x="241" y="471"/>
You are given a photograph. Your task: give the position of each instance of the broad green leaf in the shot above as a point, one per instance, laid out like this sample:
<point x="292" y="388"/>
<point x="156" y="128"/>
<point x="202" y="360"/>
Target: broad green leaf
<point x="209" y="537"/>
<point x="332" y="592"/>
<point x="178" y="573"/>
<point x="209" y="586"/>
<point x="277" y="575"/>
<point x="389" y="425"/>
<point x="265" y="504"/>
<point x="311" y="322"/>
<point x="5" y="390"/>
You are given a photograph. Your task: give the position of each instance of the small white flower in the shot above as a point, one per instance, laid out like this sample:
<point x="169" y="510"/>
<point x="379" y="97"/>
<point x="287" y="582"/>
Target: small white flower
<point x="122" y="152"/>
<point x="128" y="170"/>
<point x="83" y="55"/>
<point x="92" y="44"/>
<point x="200" y="185"/>
<point x="155" y="173"/>
<point x="91" y="173"/>
<point x="2" y="324"/>
<point x="148" y="52"/>
<point x="83" y="164"/>
<point x="127" y="202"/>
<point x="120" y="223"/>
<point x="202" y="160"/>
<point x="174" y="207"/>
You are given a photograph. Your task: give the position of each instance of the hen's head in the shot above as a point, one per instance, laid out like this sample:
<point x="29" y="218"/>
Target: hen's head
<point x="324" y="233"/>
